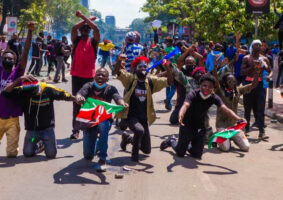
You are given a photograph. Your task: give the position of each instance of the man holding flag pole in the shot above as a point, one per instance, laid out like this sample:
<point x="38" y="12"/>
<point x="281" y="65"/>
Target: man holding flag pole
<point x="96" y="114"/>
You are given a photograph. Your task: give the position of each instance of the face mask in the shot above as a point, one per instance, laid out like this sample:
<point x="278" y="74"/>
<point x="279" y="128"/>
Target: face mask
<point x="203" y="96"/>
<point x="188" y="69"/>
<point x="7" y="64"/>
<point x="141" y="74"/>
<point x="99" y="87"/>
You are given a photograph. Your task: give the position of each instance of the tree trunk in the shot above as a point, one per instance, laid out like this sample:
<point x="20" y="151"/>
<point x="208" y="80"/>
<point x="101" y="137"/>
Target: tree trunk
<point x="6" y="5"/>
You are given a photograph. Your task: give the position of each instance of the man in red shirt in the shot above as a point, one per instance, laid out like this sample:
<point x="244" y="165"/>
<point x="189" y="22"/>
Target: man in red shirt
<point x="84" y="56"/>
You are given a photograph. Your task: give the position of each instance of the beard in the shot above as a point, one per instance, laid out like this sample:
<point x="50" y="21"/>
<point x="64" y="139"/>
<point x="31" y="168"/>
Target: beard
<point x="141" y="74"/>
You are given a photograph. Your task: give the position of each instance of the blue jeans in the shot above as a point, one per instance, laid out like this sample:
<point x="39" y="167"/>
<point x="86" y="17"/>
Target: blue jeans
<point x="105" y="59"/>
<point x="49" y="141"/>
<point x="89" y="140"/>
<point x="170" y="91"/>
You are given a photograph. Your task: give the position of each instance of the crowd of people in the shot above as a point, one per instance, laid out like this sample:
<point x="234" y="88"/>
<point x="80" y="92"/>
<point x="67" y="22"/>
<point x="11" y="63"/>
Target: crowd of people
<point x="202" y="74"/>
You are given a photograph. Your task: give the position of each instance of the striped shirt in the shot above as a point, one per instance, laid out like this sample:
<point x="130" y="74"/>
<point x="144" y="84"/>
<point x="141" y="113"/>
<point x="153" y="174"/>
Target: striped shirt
<point x="132" y="51"/>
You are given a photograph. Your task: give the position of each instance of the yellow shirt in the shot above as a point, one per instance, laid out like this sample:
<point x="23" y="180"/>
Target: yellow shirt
<point x="106" y="47"/>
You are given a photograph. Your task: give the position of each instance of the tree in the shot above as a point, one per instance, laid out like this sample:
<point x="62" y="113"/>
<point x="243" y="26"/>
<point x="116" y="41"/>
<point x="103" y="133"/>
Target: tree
<point x="141" y="26"/>
<point x="62" y="15"/>
<point x="12" y="8"/>
<point x="212" y="19"/>
<point x="35" y="12"/>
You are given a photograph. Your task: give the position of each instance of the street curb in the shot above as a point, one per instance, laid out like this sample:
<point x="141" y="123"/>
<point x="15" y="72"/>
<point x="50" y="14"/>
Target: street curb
<point x="269" y="113"/>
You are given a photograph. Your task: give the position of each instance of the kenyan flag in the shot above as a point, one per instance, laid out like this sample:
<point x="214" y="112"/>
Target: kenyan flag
<point x="27" y="85"/>
<point x="94" y="112"/>
<point x="228" y="133"/>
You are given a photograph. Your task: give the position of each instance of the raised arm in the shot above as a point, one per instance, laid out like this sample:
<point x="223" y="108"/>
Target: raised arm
<point x="93" y="26"/>
<point x="170" y="79"/>
<point x="238" y="49"/>
<point x="76" y="27"/>
<point x="214" y="72"/>
<point x="181" y="59"/>
<point x="24" y="57"/>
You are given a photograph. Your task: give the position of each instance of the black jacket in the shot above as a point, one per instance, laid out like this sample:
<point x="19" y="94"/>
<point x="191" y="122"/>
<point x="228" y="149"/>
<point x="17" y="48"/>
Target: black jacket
<point x="38" y="106"/>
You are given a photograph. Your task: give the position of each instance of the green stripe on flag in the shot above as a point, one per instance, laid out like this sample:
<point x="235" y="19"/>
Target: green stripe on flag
<point x="91" y="103"/>
<point x="228" y="134"/>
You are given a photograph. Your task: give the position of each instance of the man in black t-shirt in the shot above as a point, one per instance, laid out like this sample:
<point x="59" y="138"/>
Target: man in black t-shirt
<point x="192" y="118"/>
<point x="98" y="89"/>
<point x="15" y="45"/>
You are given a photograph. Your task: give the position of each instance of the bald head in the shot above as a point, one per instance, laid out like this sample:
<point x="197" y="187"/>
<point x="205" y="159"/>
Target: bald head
<point x="101" y="76"/>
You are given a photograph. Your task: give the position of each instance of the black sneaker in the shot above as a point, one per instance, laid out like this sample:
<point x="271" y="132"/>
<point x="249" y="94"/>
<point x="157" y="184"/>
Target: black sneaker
<point x="166" y="143"/>
<point x="262" y="135"/>
<point x="135" y="158"/>
<point x="125" y="141"/>
<point x="102" y="165"/>
<point x="64" y="80"/>
<point x="75" y="135"/>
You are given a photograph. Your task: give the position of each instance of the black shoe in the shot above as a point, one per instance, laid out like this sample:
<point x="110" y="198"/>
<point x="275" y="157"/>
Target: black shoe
<point x="75" y="135"/>
<point x="135" y="157"/>
<point x="125" y="141"/>
<point x="167" y="105"/>
<point x="166" y="143"/>
<point x="55" y="81"/>
<point x="262" y="135"/>
<point x="102" y="165"/>
<point x="64" y="80"/>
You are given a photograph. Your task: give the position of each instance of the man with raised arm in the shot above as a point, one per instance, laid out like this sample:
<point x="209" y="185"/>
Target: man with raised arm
<point x="84" y="57"/>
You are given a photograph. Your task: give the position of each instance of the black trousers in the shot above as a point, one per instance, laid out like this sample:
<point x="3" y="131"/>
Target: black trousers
<point x="280" y="70"/>
<point x="255" y="100"/>
<point x="34" y="70"/>
<point x="50" y="61"/>
<point x="280" y="38"/>
<point x="77" y="84"/>
<point x="141" y="139"/>
<point x="174" y="117"/>
<point x="188" y="134"/>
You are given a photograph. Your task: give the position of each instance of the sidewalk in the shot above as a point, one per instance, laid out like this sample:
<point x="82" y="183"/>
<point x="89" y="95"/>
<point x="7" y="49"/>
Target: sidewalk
<point x="276" y="112"/>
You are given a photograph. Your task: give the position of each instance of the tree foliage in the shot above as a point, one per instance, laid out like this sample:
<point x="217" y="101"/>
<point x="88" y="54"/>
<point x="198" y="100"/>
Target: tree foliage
<point x="62" y="15"/>
<point x="211" y="19"/>
<point x="141" y="26"/>
<point x="35" y="12"/>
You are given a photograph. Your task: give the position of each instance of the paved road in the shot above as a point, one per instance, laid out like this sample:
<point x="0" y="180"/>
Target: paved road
<point x="162" y="175"/>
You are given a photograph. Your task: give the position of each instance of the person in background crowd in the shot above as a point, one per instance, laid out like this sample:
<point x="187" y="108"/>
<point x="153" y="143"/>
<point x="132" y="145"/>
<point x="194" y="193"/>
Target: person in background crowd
<point x="104" y="51"/>
<point x="210" y="57"/>
<point x="257" y="97"/>
<point x="230" y="51"/>
<point x="15" y="45"/>
<point x="60" y="53"/>
<point x="36" y="54"/>
<point x="84" y="55"/>
<point x="3" y="46"/>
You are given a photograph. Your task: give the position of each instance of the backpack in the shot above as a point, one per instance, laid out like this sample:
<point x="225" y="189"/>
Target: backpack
<point x="76" y="42"/>
<point x="149" y="82"/>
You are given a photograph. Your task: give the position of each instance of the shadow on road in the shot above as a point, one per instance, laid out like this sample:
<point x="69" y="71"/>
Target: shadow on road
<point x="66" y="142"/>
<point x="71" y="174"/>
<point x="11" y="162"/>
<point x="275" y="147"/>
<point x="126" y="161"/>
<point x="192" y="163"/>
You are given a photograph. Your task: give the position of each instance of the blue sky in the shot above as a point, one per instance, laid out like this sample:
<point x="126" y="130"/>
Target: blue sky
<point x="123" y="10"/>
